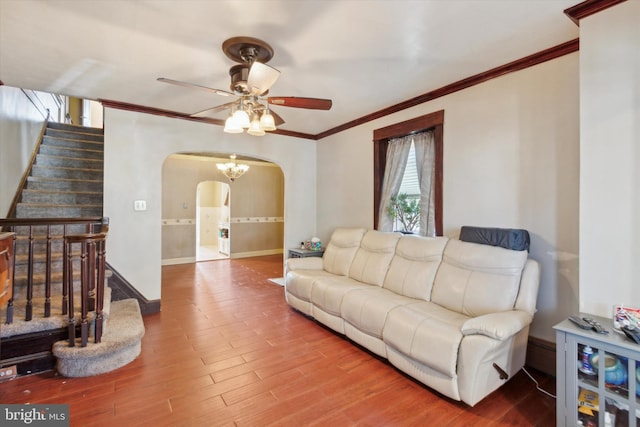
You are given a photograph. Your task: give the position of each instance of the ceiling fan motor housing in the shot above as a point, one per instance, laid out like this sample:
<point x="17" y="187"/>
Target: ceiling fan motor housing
<point x="247" y="49"/>
<point x="239" y="75"/>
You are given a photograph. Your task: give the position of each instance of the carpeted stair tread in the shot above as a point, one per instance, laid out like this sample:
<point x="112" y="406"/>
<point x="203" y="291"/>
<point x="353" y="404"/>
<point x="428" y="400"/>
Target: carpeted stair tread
<point x="61" y="180"/>
<point x="38" y="191"/>
<point x="75" y="128"/>
<point x="121" y="344"/>
<point x="71" y="143"/>
<point x="56" y="207"/>
<point x="49" y="160"/>
<point x="66" y="172"/>
<point x="62" y="151"/>
<point x="74" y="136"/>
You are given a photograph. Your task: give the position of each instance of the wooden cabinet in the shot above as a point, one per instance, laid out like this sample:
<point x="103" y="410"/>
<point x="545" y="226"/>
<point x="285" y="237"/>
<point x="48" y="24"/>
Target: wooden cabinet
<point x="598" y="377"/>
<point x="6" y="265"/>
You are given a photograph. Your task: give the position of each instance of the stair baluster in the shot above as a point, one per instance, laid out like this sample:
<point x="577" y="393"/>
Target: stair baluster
<point x="13" y="287"/>
<point x="65" y="277"/>
<point x="101" y="260"/>
<point x="71" y="320"/>
<point x="85" y="248"/>
<point x="28" y="315"/>
<point x="47" y="278"/>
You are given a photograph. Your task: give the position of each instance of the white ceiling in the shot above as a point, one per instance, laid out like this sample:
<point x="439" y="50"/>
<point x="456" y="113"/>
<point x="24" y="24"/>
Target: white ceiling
<point x="365" y="55"/>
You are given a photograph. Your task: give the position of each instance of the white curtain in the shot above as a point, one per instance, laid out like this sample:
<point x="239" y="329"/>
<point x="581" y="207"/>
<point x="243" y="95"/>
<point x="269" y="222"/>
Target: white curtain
<point x="397" y="154"/>
<point x="425" y="164"/>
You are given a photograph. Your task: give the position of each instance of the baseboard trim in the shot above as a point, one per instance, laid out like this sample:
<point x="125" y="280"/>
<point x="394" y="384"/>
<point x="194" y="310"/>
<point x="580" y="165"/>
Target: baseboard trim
<point x="176" y="261"/>
<point x="256" y="253"/>
<point x="122" y="289"/>
<point x="541" y="355"/>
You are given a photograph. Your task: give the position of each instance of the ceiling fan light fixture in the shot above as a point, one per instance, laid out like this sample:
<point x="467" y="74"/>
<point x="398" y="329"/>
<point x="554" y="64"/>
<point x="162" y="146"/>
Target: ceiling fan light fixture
<point x="267" y="122"/>
<point x="231" y="125"/>
<point x="241" y="118"/>
<point x="254" y="128"/>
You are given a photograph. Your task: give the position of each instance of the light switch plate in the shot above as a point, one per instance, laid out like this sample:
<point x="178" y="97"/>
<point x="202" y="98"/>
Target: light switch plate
<point x="140" y="205"/>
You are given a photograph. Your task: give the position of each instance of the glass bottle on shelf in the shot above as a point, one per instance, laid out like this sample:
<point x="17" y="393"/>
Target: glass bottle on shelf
<point x="586" y="371"/>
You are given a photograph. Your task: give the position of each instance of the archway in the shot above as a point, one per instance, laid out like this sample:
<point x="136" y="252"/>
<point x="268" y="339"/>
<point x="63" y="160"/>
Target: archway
<point x="255" y="225"/>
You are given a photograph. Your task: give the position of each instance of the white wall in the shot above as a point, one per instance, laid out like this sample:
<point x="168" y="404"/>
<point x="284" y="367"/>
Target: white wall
<point x="610" y="159"/>
<point x="20" y="126"/>
<point x="136" y="146"/>
<point x="511" y="159"/>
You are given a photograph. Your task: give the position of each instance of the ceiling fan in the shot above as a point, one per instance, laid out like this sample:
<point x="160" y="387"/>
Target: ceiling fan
<point x="251" y="80"/>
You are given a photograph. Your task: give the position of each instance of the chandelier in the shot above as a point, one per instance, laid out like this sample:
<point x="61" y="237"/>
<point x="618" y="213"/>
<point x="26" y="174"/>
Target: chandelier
<point x="252" y="115"/>
<point x="232" y="170"/>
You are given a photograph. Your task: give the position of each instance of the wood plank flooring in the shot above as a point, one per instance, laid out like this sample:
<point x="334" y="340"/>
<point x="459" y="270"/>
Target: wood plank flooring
<point x="227" y="350"/>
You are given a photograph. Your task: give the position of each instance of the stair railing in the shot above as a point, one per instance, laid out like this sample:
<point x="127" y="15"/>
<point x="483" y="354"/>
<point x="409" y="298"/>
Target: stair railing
<point x="92" y="260"/>
<point x="32" y="232"/>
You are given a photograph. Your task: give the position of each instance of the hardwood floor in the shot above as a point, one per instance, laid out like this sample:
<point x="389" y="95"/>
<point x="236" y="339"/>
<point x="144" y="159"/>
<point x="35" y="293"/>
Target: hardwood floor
<point x="227" y="350"/>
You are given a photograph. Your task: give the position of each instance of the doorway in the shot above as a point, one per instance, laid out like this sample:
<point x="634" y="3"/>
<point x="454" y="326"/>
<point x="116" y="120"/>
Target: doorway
<point x="213" y="204"/>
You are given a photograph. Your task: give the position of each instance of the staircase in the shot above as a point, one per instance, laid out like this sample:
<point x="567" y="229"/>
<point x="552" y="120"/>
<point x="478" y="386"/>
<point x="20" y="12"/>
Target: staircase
<point x="65" y="181"/>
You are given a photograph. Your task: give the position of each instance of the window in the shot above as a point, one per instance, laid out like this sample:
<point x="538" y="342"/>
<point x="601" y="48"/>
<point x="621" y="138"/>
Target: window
<point x="410" y="184"/>
<point x="383" y="136"/>
<point x="409" y="187"/>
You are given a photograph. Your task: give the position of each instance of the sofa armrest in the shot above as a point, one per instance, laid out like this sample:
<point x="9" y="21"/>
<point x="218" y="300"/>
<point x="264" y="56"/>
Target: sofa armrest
<point x="499" y="326"/>
<point x="308" y="263"/>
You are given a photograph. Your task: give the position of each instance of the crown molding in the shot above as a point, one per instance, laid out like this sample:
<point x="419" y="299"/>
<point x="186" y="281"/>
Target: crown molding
<point x="588" y="8"/>
<point x="176" y="115"/>
<point x="517" y="65"/>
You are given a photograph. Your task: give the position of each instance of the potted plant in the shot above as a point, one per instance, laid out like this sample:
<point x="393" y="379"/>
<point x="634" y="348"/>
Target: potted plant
<point x="406" y="210"/>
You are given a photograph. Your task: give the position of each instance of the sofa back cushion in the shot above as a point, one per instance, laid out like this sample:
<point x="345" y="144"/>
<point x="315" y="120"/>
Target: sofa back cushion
<point x="372" y="259"/>
<point x="414" y="266"/>
<point x="341" y="249"/>
<point x="475" y="279"/>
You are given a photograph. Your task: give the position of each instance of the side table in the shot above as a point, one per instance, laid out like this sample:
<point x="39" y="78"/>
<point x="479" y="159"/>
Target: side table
<point x="598" y="376"/>
<point x="304" y="253"/>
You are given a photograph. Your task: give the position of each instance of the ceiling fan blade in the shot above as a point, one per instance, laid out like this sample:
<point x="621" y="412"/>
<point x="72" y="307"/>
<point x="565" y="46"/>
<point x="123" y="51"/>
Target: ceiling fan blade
<point x="209" y="111"/>
<point x="296" y="102"/>
<point x="261" y="78"/>
<point x="276" y="118"/>
<point x="195" y="86"/>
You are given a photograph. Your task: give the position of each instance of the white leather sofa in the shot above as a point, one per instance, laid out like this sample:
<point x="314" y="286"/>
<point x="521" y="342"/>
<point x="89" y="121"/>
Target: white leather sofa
<point x="441" y="310"/>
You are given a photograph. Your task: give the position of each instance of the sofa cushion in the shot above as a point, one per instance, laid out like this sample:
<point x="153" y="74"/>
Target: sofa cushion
<point x="366" y="309"/>
<point x="475" y="279"/>
<point x="414" y="266"/>
<point x="327" y="292"/>
<point x="372" y="259"/>
<point x="299" y="282"/>
<point x="427" y="333"/>
<point x="508" y="238"/>
<point x="341" y="249"/>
